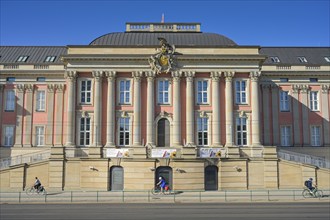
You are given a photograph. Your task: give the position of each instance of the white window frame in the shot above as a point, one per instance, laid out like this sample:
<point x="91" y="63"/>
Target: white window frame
<point x="10" y="100"/>
<point x="316" y="137"/>
<point x="8" y="140"/>
<point x="127" y="130"/>
<point x="275" y="59"/>
<point x="314" y="102"/>
<point x="41" y="101"/>
<point x="286" y="135"/>
<point x="86" y="131"/>
<point x="302" y="59"/>
<point x="22" y="58"/>
<point x="241" y="132"/>
<point x="50" y="59"/>
<point x="246" y="92"/>
<point x="164" y="92"/>
<point x="327" y="59"/>
<point x="40" y="135"/>
<point x="284" y="101"/>
<point x="85" y="92"/>
<point x="203" y="93"/>
<point x="125" y="92"/>
<point x="202" y="126"/>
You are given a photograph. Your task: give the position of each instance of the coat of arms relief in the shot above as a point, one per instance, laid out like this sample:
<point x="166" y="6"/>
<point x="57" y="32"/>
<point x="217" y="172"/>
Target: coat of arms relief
<point x="163" y="60"/>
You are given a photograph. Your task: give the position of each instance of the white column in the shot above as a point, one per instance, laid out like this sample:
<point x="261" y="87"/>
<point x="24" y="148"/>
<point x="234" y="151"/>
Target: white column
<point x="19" y="115"/>
<point x="28" y="112"/>
<point x="71" y="80"/>
<point x="58" y="136"/>
<point x="266" y="113"/>
<point x="137" y="108"/>
<point x="111" y="76"/>
<point x="2" y="87"/>
<point x="255" y="108"/>
<point x="325" y="114"/>
<point x="97" y="108"/>
<point x="190" y="122"/>
<point x="50" y="114"/>
<point x="275" y="109"/>
<point x="216" y="134"/>
<point x="305" y="111"/>
<point x="296" y="115"/>
<point x="150" y="107"/>
<point x="176" y="109"/>
<point x="229" y="108"/>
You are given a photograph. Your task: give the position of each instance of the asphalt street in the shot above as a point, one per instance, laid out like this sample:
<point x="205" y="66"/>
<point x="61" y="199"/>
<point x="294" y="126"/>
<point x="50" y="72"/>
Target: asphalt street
<point x="292" y="211"/>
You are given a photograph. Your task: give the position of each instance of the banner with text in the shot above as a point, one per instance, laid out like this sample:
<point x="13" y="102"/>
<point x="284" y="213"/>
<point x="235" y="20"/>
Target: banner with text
<point x="163" y="153"/>
<point x="117" y="153"/>
<point x="212" y="152"/>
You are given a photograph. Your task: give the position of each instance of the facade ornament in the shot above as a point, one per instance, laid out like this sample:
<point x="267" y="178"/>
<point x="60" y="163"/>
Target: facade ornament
<point x="164" y="114"/>
<point x="304" y="88"/>
<point x="295" y="88"/>
<point x="2" y="87"/>
<point x="202" y="114"/>
<point x="189" y="76"/>
<point x="28" y="87"/>
<point x="215" y="76"/>
<point x="111" y="75"/>
<point x="84" y="114"/>
<point x="97" y="74"/>
<point x="164" y="59"/>
<point x="51" y="87"/>
<point x="242" y="114"/>
<point x="70" y="74"/>
<point x="137" y="75"/>
<point x="124" y="114"/>
<point x="325" y="88"/>
<point x="229" y="75"/>
<point x="59" y="87"/>
<point x="20" y="87"/>
<point x="254" y="75"/>
<point x="150" y="75"/>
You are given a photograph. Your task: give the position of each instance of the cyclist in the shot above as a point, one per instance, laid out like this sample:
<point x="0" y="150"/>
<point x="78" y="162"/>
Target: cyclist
<point x="37" y="184"/>
<point x="161" y="183"/>
<point x="309" y="184"/>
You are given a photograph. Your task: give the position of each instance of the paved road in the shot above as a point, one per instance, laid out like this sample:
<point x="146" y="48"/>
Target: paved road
<point x="250" y="211"/>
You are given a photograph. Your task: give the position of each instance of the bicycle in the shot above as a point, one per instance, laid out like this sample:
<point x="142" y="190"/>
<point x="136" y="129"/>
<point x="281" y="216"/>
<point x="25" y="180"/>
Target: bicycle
<point x="40" y="191"/>
<point x="156" y="190"/>
<point x="307" y="193"/>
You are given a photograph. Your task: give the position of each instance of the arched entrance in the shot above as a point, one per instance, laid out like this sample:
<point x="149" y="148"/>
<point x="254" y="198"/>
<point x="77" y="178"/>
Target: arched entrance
<point x="166" y="173"/>
<point x="211" y="178"/>
<point x="163" y="133"/>
<point x="116" y="178"/>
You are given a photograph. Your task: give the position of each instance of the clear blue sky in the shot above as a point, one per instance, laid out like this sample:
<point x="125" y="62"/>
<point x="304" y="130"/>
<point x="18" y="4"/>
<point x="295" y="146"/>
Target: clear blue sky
<point x="78" y="22"/>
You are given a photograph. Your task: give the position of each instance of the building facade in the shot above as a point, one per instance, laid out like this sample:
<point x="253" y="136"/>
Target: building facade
<point x="162" y="99"/>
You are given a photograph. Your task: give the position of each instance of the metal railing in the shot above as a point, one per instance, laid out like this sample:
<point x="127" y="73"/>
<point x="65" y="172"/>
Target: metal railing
<point x="146" y="196"/>
<point x="304" y="158"/>
<point x="26" y="158"/>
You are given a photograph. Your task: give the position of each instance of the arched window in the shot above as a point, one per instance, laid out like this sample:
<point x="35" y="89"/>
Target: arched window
<point x="211" y="178"/>
<point x="116" y="178"/>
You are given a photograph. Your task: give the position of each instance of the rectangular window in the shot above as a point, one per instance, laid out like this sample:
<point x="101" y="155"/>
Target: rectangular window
<point x="40" y="135"/>
<point x="50" y="59"/>
<point x="22" y="58"/>
<point x="124" y="92"/>
<point x="314" y="100"/>
<point x="202" y="131"/>
<point x="285" y="136"/>
<point x="284" y="101"/>
<point x="124" y="131"/>
<point x="85" y="91"/>
<point x="10" y="100"/>
<point x="202" y="90"/>
<point x="316" y="136"/>
<point x="241" y="131"/>
<point x="240" y="87"/>
<point x="313" y="79"/>
<point x="85" y="131"/>
<point x="163" y="92"/>
<point x="41" y="100"/>
<point x="9" y="136"/>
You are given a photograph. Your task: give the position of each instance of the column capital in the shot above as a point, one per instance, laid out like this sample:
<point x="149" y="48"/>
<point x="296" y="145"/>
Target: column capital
<point x="51" y="88"/>
<point x="20" y="87"/>
<point x="111" y="75"/>
<point x="189" y="76"/>
<point x="150" y="75"/>
<point x="2" y="87"/>
<point x="176" y="75"/>
<point x="59" y="87"/>
<point x="215" y="75"/>
<point x="325" y="88"/>
<point x="229" y="75"/>
<point x="28" y="87"/>
<point x="97" y="74"/>
<point x="137" y="75"/>
<point x="295" y="88"/>
<point x="254" y="75"/>
<point x="70" y="74"/>
<point x="304" y="88"/>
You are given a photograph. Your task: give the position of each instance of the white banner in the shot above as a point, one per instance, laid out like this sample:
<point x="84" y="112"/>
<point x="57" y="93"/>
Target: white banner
<point x="163" y="153"/>
<point x="117" y="153"/>
<point x="212" y="152"/>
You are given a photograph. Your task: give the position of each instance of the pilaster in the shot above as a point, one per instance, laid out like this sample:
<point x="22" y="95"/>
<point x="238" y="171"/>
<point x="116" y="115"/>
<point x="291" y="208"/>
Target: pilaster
<point x="255" y="122"/>
<point x="111" y="77"/>
<point x="137" y="75"/>
<point x="71" y="82"/>
<point x="275" y="118"/>
<point x="229" y="108"/>
<point x="296" y="115"/>
<point x="176" y="108"/>
<point x="190" y="122"/>
<point x="97" y="131"/>
<point x="59" y="108"/>
<point x="216" y="132"/>
<point x="325" y="114"/>
<point x="266" y="114"/>
<point x="150" y="107"/>
<point x="50" y="97"/>
<point x="28" y="106"/>
<point x="19" y="115"/>
<point x="305" y="110"/>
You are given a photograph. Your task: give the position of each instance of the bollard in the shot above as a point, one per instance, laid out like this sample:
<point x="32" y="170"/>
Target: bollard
<point x="123" y="196"/>
<point x="71" y="196"/>
<point x="226" y="195"/>
<point x="294" y="195"/>
<point x="46" y="198"/>
<point x="200" y="196"/>
<point x="97" y="196"/>
<point x="19" y="197"/>
<point x="268" y="196"/>
<point x="251" y="195"/>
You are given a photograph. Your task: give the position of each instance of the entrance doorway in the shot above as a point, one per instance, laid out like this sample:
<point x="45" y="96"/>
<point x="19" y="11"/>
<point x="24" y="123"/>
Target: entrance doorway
<point x="166" y="173"/>
<point x="211" y="178"/>
<point x="116" y="178"/>
<point x="163" y="133"/>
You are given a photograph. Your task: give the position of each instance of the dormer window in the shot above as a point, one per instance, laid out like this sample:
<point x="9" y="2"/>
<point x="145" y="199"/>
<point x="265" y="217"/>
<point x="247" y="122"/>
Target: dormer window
<point x="302" y="59"/>
<point x="22" y="58"/>
<point x="275" y="59"/>
<point x="327" y="59"/>
<point x="50" y="59"/>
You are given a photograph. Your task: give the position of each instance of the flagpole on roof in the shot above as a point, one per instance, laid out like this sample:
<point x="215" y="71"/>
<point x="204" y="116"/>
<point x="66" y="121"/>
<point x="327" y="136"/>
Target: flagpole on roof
<point x="163" y="18"/>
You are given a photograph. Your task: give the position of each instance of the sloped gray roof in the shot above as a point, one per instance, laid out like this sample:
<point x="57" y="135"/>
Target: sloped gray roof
<point x="151" y="39"/>
<point x="36" y="54"/>
<point x="289" y="55"/>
